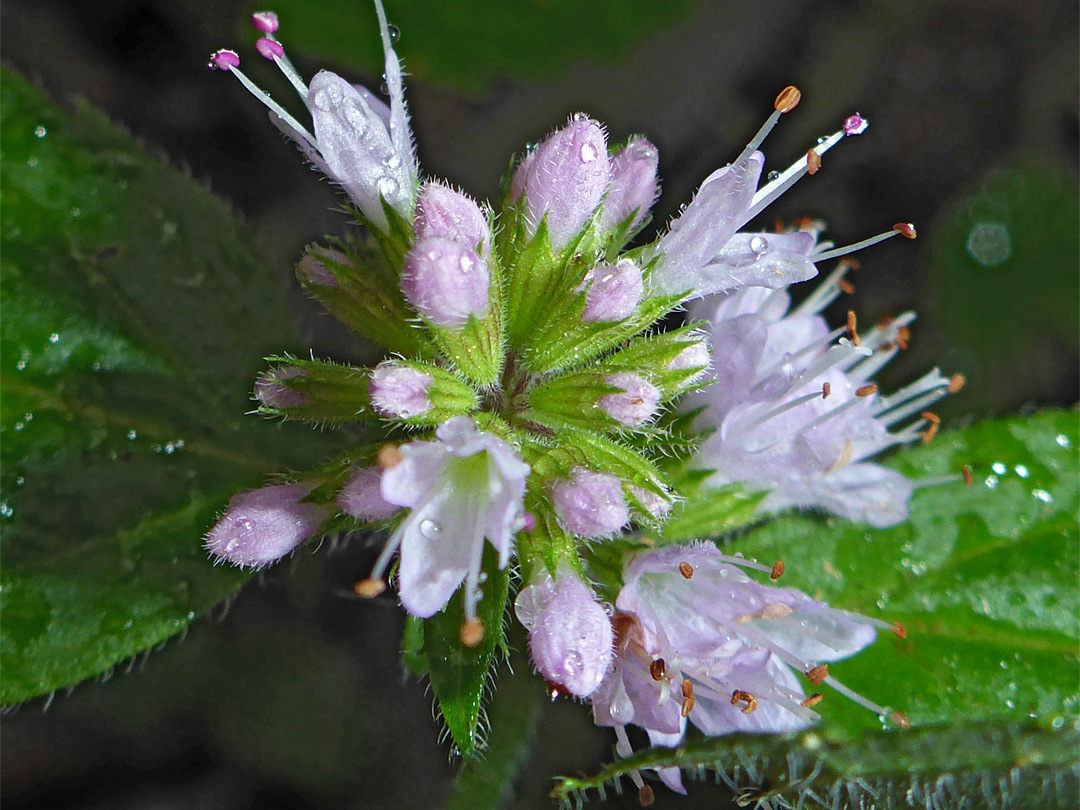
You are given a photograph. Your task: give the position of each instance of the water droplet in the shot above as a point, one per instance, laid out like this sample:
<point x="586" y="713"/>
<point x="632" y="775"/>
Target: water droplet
<point x="589" y="152"/>
<point x="466" y="263"/>
<point x="54" y="337"/>
<point x="6" y="510"/>
<point x="991" y="481"/>
<point x="20" y="481"/>
<point x="190" y="615"/>
<point x="573" y="663"/>
<point x="29" y="416"/>
<point x="387" y="185"/>
<point x="483" y="577"/>
<point x="429" y="528"/>
<point x="759" y="245"/>
<point x="384" y="88"/>
<point x="1021" y="470"/>
<point x="395" y="32"/>
<point x="1062" y="440"/>
<point x="19" y="426"/>
<point x="771" y="176"/>
<point x="132" y="435"/>
<point x="32" y="162"/>
<point x="76" y="211"/>
<point x="998" y="468"/>
<point x="1042" y="495"/>
<point x="822" y="139"/>
<point x="40" y="131"/>
<point x="989" y="244"/>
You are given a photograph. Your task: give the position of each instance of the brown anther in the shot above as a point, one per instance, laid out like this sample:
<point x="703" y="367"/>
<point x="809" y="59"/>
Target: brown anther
<point x="778" y="566"/>
<point x="905" y="229"/>
<point x="900" y="719"/>
<point x="956" y="382"/>
<point x="776" y="610"/>
<point x="687" y="570"/>
<point x="472" y="633"/>
<point x="846" y="286"/>
<point x="788" y="99"/>
<point x="930" y="416"/>
<point x="804" y="223"/>
<point x="739" y="696"/>
<point x="852" y="334"/>
<point x="813" y="162"/>
<point x="866" y="390"/>
<point x="930" y="432"/>
<point x="966" y="472"/>
<point x="903" y="335"/>
<point x="826" y="389"/>
<point x="389" y="456"/>
<point x="813" y="700"/>
<point x="646" y="796"/>
<point x="885" y="320"/>
<point x="688" y="699"/>
<point x="369" y="588"/>
<point x="622" y="624"/>
<point x="818" y="674"/>
<point x="658" y="669"/>
<point x="851" y="263"/>
<point x="899" y="630"/>
<point x="778" y="226"/>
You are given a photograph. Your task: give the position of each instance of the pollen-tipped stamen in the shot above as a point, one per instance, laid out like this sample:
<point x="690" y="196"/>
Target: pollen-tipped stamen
<point x="270" y="48"/>
<point x="785" y="102"/>
<point x="904" y="229"/>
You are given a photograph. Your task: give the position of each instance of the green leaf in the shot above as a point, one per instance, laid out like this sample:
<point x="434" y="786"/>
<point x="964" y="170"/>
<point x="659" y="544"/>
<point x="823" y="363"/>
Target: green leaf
<point x="985" y="581"/>
<point x="469" y="43"/>
<point x="459" y="674"/>
<point x="136" y="314"/>
<point x="515" y="711"/>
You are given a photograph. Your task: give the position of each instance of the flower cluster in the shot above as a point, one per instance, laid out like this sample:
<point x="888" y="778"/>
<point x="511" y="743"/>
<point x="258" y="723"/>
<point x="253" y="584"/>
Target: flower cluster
<point x="543" y="407"/>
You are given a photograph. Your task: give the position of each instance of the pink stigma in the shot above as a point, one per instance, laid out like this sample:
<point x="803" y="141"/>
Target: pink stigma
<point x="269" y="49"/>
<point x="855" y="125"/>
<point x="265" y="21"/>
<point x="224" y="60"/>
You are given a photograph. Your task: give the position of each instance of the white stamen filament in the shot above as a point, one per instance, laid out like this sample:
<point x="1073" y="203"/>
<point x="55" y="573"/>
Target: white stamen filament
<point x="825" y="417"/>
<point x="757" y="421"/>
<point x="768" y="193"/>
<point x="855" y="697"/>
<point x="825" y="293"/>
<point x="891" y="417"/>
<point x="855" y="246"/>
<point x="759" y="138"/>
<point x="293" y="75"/>
<point x="274" y="107"/>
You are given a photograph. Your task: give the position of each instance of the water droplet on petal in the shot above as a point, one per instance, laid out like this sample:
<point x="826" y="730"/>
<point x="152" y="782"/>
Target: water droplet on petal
<point x="429" y="528"/>
<point x="772" y="176"/>
<point x="394" y="31"/>
<point x="589" y="152"/>
<point x="759" y="245"/>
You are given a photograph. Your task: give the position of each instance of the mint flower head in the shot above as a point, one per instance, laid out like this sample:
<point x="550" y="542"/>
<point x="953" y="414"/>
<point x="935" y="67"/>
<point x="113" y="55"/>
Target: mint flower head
<point x="534" y="396"/>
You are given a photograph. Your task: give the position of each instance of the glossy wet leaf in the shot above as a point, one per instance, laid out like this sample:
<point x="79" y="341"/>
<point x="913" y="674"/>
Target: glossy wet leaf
<point x="461" y="676"/>
<point x="469" y="43"/>
<point x="985" y="580"/>
<point x="135" y="316"/>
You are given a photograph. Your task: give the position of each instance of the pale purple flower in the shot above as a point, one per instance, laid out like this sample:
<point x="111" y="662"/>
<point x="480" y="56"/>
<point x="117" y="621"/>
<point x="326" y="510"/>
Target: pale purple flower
<point x="442" y="211"/>
<point x="635" y="404"/>
<point x="271" y="392"/>
<point x="613" y="293"/>
<point x="566" y="178"/>
<point x="589" y="503"/>
<point x="399" y="391"/>
<point x="697" y="639"/>
<point x="446" y="282"/>
<point x="359" y="141"/>
<point x="634" y="184"/>
<point x="464" y="486"/>
<point x="262" y="526"/>
<point x="570" y="633"/>
<point x="362" y="498"/>
<point x="794" y="413"/>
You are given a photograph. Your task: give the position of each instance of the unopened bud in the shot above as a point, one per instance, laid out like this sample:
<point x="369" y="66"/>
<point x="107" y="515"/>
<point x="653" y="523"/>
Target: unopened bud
<point x="362" y="497"/>
<point x="589" y="504"/>
<point x="398" y="391"/>
<point x="637" y="402"/>
<point x="614" y="292"/>
<point x="262" y="526"/>
<point x="634" y="184"/>
<point x="443" y="212"/>
<point x="446" y="282"/>
<point x="272" y="392"/>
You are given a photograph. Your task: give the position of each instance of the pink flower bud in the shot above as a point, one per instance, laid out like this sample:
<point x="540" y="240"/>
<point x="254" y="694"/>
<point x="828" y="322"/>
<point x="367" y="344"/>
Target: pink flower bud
<point x="398" y="391"/>
<point x="590" y="504"/>
<point x="265" y="21"/>
<point x="313" y="270"/>
<point x="521" y="174"/>
<point x="264" y="525"/>
<point x="637" y="402"/>
<point x="445" y="282"/>
<point x="362" y="496"/>
<point x="271" y="392"/>
<point x="567" y="179"/>
<point x="614" y="293"/>
<point x="441" y="211"/>
<point x="570" y="635"/>
<point x="634" y="184"/>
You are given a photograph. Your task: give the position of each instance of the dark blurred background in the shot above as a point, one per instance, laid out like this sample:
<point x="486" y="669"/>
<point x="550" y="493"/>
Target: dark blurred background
<point x="294" y="696"/>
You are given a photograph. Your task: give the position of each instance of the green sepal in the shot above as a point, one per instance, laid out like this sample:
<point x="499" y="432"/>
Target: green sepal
<point x="460" y="675"/>
<point x="548" y="544"/>
<point x="396" y="239"/>
<point x="651" y="357"/>
<point x="562" y="341"/>
<point x="709" y="513"/>
<point x="336" y="393"/>
<point x="448" y="394"/>
<point x="366" y="296"/>
<point x="412" y="646"/>
<point x="572" y="400"/>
